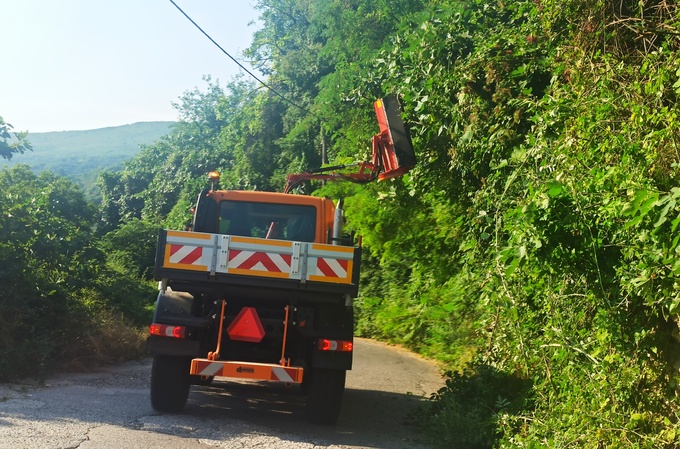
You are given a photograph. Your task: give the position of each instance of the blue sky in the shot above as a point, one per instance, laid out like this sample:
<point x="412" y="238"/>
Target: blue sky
<point x="85" y="64"/>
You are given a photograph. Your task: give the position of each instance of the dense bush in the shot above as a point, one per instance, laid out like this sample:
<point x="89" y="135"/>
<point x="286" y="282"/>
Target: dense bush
<point x="552" y="136"/>
<point x="60" y="305"/>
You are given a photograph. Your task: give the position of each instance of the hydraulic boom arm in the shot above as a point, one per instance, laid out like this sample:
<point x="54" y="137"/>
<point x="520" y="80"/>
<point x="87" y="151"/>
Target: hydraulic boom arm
<point x="392" y="156"/>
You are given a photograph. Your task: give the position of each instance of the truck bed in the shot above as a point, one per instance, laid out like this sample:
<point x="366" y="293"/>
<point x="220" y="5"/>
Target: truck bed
<point x="266" y="263"/>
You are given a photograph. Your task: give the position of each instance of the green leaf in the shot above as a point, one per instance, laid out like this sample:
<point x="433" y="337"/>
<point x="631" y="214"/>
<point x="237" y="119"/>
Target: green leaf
<point x="674" y="308"/>
<point x="643" y="203"/>
<point x="554" y="188"/>
<point x="648" y="204"/>
<point x="662" y="217"/>
<point x="675" y="223"/>
<point x="468" y="134"/>
<point x="636" y="417"/>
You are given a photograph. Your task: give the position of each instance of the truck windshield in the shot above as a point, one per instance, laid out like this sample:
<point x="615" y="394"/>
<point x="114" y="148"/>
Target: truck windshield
<point x="268" y="220"/>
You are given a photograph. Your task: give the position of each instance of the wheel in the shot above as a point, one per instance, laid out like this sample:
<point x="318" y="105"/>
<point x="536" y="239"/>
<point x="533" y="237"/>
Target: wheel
<point x="325" y="390"/>
<point x="170" y="382"/>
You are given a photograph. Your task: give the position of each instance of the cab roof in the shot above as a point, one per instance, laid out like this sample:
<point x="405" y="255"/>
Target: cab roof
<point x="267" y="197"/>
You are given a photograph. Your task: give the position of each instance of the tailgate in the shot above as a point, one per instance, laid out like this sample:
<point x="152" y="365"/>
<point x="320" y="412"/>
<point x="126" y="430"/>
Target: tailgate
<point x="220" y="255"/>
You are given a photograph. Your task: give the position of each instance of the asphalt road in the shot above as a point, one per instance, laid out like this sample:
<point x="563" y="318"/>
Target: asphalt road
<point x="111" y="409"/>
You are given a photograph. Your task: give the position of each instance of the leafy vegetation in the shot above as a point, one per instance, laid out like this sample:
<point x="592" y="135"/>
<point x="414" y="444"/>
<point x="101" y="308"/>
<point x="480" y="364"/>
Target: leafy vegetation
<point x="70" y="299"/>
<point x="61" y="303"/>
<point x="11" y="142"/>
<point x="534" y="249"/>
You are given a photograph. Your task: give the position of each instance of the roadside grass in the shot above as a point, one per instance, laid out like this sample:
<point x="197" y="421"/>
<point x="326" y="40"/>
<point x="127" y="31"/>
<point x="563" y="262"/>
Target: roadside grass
<point x="113" y="341"/>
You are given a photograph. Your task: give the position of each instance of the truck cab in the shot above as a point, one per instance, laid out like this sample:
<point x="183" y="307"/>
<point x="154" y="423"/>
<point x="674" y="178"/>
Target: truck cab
<point x="267" y="215"/>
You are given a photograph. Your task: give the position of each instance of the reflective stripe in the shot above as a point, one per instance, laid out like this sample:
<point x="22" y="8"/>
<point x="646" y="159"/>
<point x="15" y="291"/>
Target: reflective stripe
<point x="281" y="374"/>
<point x="212" y="369"/>
<point x="331" y="267"/>
<point x="259" y="261"/>
<point x="185" y="254"/>
<point x="247" y="370"/>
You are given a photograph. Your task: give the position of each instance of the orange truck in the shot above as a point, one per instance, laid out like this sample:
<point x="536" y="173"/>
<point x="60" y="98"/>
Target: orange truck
<point x="262" y="285"/>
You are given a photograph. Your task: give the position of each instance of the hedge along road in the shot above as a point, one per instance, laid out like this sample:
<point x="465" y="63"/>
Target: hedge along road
<point x="111" y="408"/>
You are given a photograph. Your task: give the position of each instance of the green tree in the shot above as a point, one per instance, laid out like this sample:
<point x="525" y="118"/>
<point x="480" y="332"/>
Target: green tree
<point x="131" y="248"/>
<point x="58" y="295"/>
<point x="12" y="142"/>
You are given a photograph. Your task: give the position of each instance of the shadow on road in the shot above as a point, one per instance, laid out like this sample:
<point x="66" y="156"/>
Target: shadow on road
<point x="112" y="408"/>
<point x="373" y="419"/>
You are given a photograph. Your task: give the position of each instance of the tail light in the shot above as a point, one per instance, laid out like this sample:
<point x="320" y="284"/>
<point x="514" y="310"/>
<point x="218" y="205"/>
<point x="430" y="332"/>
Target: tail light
<point x="335" y="345"/>
<point x="164" y="330"/>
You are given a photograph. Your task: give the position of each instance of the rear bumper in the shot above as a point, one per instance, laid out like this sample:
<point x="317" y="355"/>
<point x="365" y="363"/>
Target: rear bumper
<point x="247" y="370"/>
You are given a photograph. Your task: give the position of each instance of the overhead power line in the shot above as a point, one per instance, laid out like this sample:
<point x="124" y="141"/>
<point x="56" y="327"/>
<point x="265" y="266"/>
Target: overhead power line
<point x="274" y="91"/>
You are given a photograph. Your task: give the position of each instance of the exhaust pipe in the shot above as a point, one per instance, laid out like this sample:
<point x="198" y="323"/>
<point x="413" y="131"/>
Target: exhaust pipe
<point x="338" y="222"/>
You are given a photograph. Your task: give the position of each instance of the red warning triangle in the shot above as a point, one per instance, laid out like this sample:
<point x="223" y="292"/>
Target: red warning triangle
<point x="246" y="326"/>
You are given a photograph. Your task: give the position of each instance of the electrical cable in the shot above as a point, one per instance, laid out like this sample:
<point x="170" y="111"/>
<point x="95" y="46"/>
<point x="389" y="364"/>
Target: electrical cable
<point x="274" y="91"/>
<point x="306" y="176"/>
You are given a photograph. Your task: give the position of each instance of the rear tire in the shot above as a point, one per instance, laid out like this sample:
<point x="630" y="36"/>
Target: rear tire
<point x="325" y="390"/>
<point x="170" y="381"/>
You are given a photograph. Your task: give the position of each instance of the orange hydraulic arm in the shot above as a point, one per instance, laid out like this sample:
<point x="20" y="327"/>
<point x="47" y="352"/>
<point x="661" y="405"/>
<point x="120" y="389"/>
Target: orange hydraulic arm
<point x="393" y="153"/>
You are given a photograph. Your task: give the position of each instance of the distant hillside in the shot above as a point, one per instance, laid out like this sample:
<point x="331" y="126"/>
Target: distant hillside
<point x="82" y="155"/>
<point x="72" y="152"/>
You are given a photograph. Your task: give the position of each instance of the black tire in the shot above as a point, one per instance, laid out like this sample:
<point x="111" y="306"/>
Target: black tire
<point x="170" y="381"/>
<point x="325" y="390"/>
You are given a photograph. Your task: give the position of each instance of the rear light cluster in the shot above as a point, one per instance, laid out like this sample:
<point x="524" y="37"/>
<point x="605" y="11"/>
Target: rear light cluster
<point x="335" y="345"/>
<point x="164" y="330"/>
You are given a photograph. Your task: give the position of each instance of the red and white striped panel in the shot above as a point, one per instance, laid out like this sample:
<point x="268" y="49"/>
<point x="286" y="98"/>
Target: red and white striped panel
<point x="330" y="263"/>
<point x="189" y="250"/>
<point x="329" y="267"/>
<point x="259" y="261"/>
<point x="283" y="374"/>
<point x="210" y="369"/>
<point x="185" y="254"/>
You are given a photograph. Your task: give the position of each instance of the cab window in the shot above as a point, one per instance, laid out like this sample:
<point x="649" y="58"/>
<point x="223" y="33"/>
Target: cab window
<point x="268" y="220"/>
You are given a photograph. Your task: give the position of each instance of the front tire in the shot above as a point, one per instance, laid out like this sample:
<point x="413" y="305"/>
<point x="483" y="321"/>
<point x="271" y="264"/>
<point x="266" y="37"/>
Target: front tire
<point x="325" y="390"/>
<point x="170" y="382"/>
